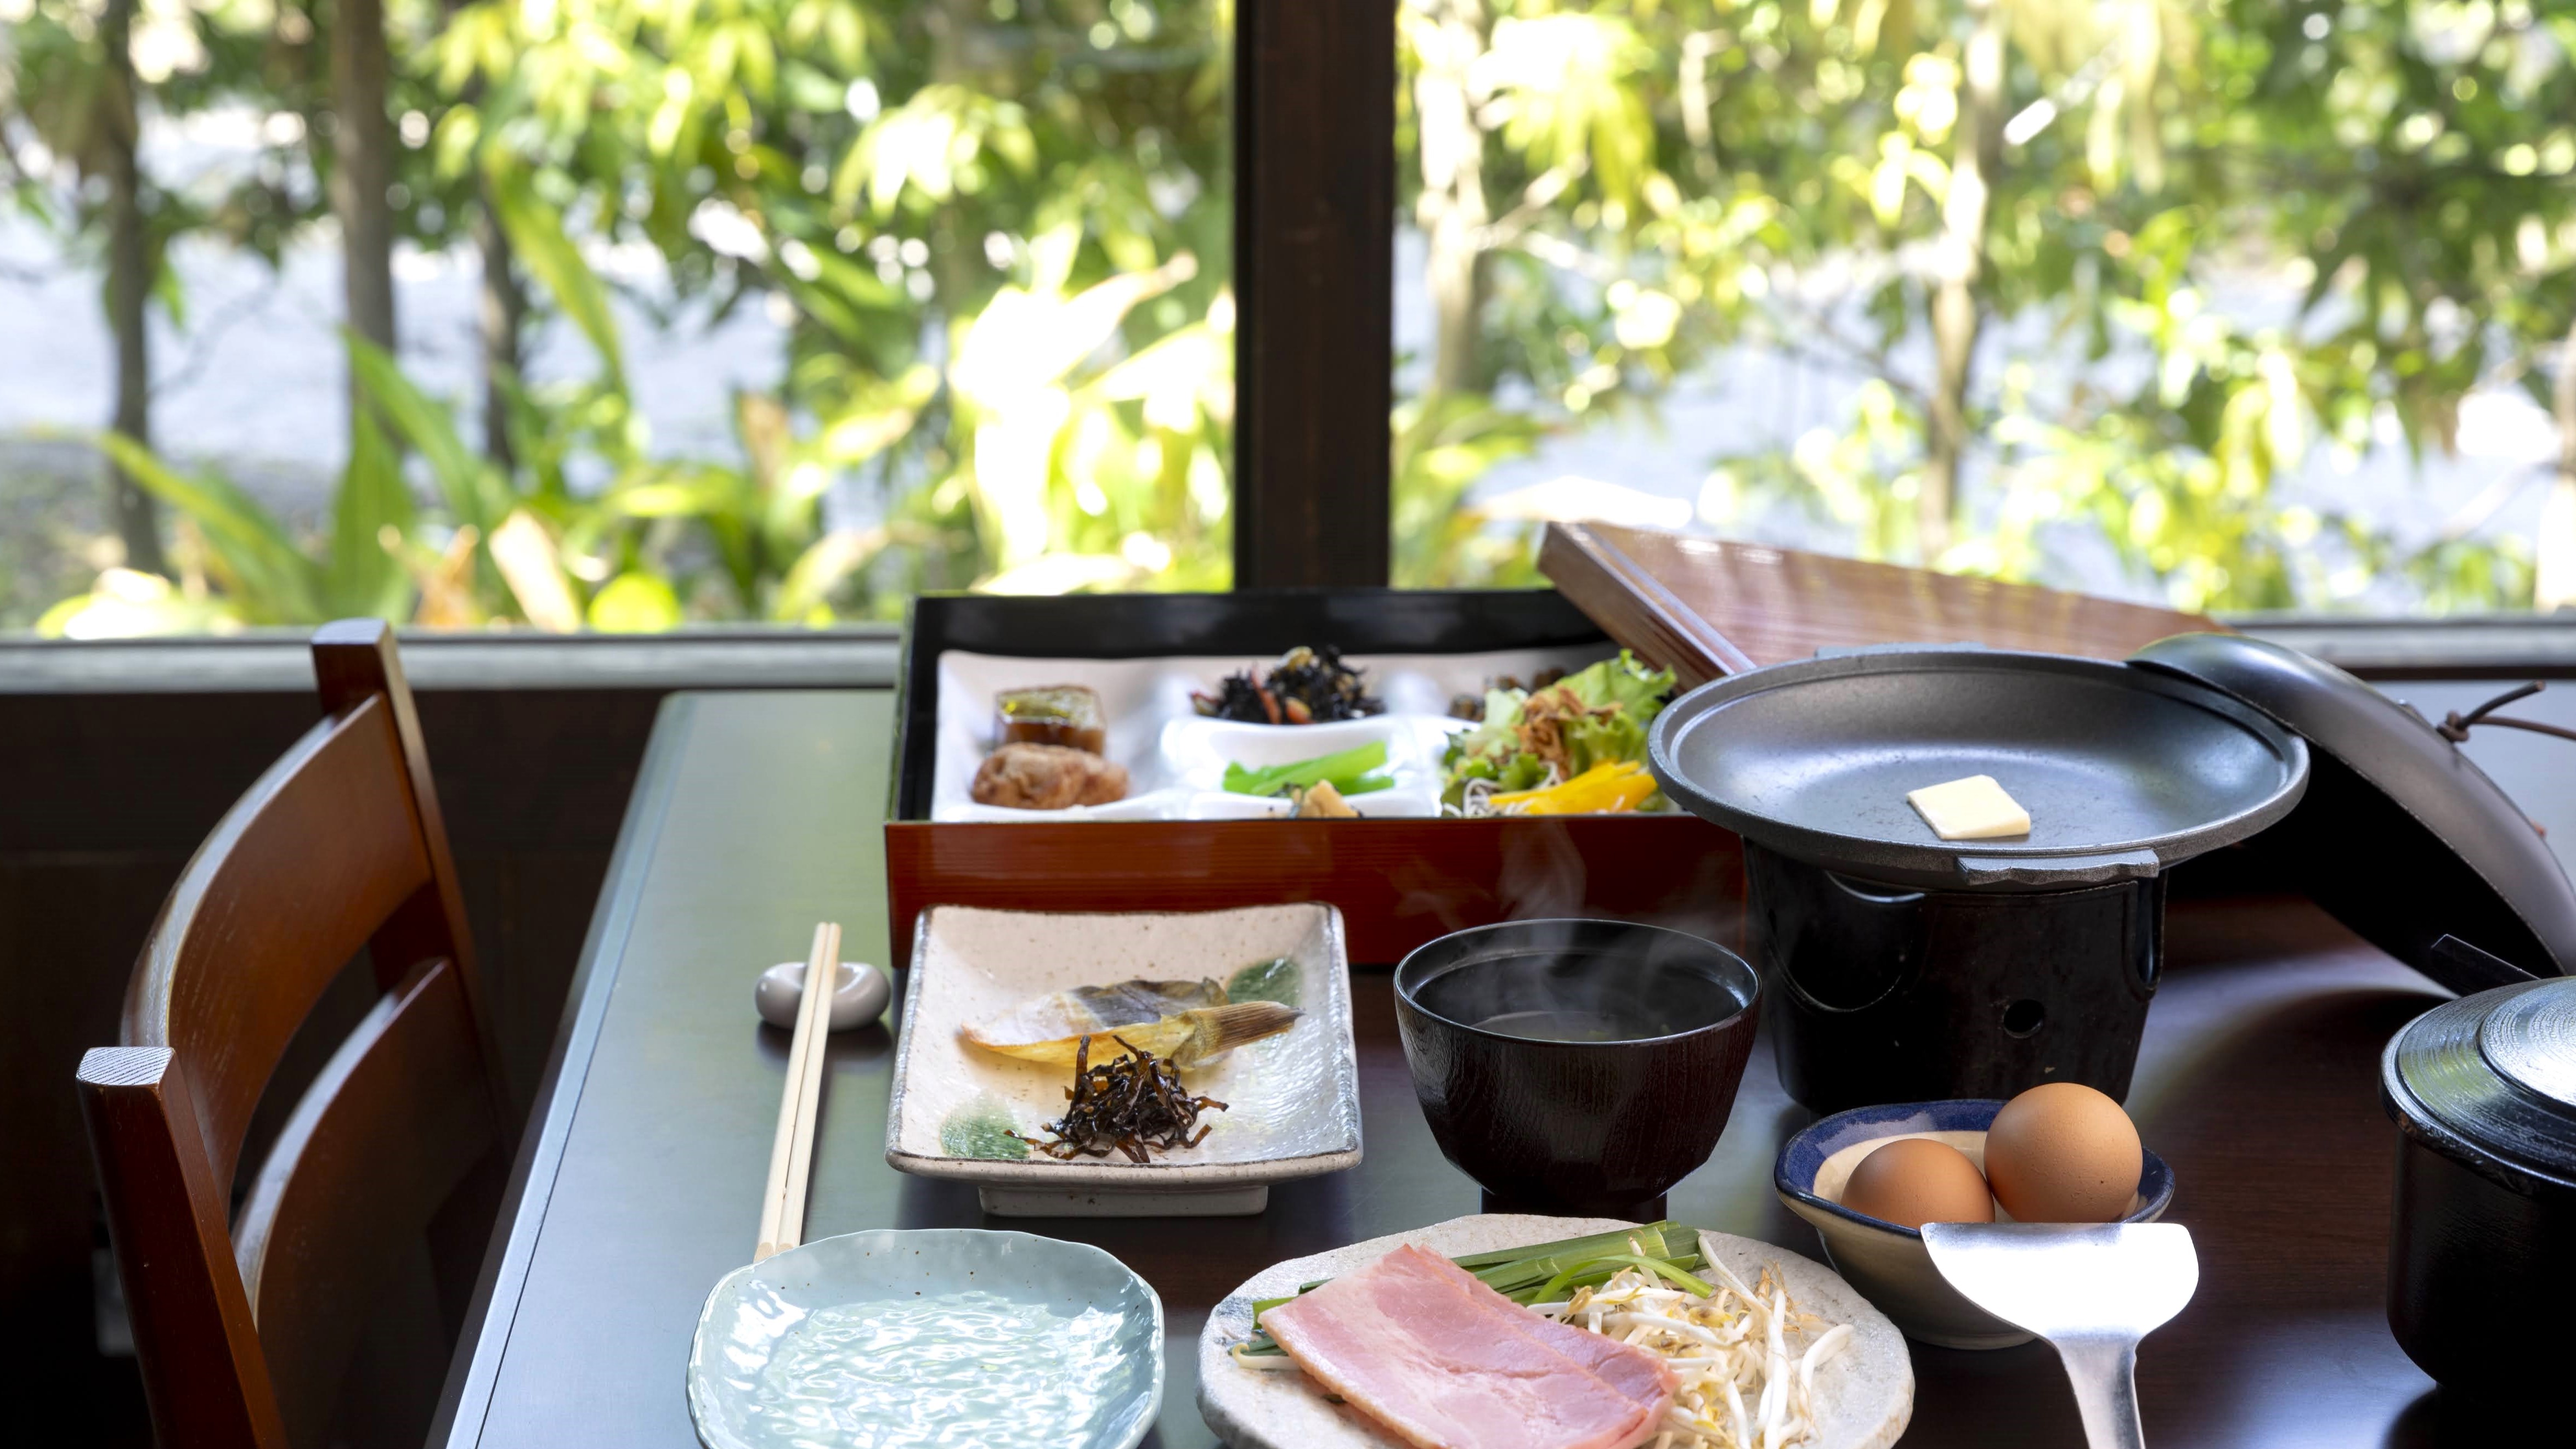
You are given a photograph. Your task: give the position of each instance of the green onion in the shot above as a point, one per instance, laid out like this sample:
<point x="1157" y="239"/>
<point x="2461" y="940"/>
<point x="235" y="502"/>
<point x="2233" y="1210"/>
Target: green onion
<point x="1510" y="1278"/>
<point x="1645" y="1237"/>
<point x="1655" y="1266"/>
<point x="1590" y="1276"/>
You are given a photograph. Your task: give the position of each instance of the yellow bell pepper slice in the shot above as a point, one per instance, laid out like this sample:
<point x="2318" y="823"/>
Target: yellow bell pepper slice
<point x="1606" y="788"/>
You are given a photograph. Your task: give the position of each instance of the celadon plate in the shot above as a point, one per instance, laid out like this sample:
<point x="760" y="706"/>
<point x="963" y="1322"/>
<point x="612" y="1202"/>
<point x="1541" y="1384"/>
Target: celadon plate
<point x="1292" y="1100"/>
<point x="821" y="1347"/>
<point x="1867" y="1390"/>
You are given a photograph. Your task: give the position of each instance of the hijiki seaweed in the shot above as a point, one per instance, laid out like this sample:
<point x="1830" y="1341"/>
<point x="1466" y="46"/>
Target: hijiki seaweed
<point x="1306" y="686"/>
<point x="1135" y="1104"/>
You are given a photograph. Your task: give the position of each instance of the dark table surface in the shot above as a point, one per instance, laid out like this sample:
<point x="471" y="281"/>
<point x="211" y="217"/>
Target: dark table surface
<point x="757" y="814"/>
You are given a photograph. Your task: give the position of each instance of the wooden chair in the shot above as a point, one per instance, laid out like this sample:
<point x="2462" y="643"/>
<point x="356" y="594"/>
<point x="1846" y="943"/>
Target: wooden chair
<point x="246" y="1328"/>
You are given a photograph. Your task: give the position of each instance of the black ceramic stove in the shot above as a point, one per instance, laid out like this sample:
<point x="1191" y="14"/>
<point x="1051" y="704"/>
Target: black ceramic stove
<point x="1903" y="967"/>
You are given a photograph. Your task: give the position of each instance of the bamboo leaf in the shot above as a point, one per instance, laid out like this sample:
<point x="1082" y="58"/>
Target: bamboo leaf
<point x="277" y="584"/>
<point x="363" y="577"/>
<point x="536" y="230"/>
<point x="474" y="494"/>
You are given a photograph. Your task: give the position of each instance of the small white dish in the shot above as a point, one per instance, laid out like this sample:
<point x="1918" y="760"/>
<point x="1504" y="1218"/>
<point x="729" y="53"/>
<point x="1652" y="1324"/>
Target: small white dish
<point x="1292" y="1099"/>
<point x="1868" y="1389"/>
<point x="759" y="1363"/>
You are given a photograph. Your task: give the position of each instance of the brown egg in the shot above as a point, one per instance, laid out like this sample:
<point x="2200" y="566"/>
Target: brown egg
<point x="2063" y="1153"/>
<point x="1913" y="1181"/>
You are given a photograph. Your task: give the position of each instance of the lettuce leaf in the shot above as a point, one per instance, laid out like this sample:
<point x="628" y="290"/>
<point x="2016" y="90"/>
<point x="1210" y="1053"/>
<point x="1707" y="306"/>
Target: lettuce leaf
<point x="1491" y="751"/>
<point x="1624" y="682"/>
<point x="1603" y="739"/>
<point x="1502" y="714"/>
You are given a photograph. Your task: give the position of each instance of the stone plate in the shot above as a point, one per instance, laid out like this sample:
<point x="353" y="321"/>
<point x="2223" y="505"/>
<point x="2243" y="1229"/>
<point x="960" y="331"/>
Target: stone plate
<point x="1293" y="1106"/>
<point x="2125" y="772"/>
<point x="1868" y="1388"/>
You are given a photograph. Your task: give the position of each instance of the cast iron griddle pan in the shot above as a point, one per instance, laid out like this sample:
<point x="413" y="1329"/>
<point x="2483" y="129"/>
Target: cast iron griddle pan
<point x="2124" y="771"/>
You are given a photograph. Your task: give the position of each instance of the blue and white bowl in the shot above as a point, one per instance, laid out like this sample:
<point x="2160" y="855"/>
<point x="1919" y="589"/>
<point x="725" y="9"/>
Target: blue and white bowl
<point x="1888" y="1264"/>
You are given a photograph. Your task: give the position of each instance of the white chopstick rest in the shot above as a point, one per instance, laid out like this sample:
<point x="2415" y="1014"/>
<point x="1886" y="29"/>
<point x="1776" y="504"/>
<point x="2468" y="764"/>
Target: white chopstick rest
<point x="858" y="998"/>
<point x="791" y="1153"/>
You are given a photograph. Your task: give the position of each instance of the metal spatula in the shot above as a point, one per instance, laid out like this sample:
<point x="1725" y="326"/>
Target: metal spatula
<point x="2092" y="1292"/>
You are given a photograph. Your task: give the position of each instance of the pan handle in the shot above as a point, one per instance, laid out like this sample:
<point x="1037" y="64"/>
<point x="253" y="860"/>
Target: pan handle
<point x="1995" y="871"/>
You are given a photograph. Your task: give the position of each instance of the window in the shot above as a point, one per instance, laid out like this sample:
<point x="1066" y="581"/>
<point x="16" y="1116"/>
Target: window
<point x="653" y="313"/>
<point x="2245" y="305"/>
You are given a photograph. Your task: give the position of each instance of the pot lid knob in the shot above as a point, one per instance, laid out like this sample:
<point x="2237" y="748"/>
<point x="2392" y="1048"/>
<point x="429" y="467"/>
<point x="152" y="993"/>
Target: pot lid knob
<point x="2530" y="1042"/>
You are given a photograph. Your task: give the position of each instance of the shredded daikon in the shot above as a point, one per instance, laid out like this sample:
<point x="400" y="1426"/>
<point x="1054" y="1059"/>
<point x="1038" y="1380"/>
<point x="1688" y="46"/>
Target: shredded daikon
<point x="1477" y="800"/>
<point x="1741" y="1342"/>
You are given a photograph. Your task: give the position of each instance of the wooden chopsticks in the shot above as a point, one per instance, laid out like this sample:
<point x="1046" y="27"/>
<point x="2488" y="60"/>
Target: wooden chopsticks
<point x="791" y="1154"/>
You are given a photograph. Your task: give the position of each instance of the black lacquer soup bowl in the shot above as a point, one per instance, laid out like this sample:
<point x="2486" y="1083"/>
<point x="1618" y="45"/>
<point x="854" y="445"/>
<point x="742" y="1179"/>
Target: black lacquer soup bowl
<point x="1577" y="1067"/>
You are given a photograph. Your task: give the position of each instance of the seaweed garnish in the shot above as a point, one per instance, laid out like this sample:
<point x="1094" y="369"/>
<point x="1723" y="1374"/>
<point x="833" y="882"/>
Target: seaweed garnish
<point x="1135" y="1104"/>
<point x="1306" y="686"/>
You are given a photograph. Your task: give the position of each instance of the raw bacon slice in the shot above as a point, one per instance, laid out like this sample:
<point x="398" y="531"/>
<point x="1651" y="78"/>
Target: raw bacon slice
<point x="1642" y="1376"/>
<point x="1406" y="1342"/>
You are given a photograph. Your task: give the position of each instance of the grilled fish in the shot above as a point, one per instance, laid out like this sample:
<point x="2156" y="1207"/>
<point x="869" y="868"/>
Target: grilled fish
<point x="1189" y="1023"/>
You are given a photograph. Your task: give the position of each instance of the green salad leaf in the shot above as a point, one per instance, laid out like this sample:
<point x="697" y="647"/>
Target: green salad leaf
<point x="1492" y="750"/>
<point x="1624" y="682"/>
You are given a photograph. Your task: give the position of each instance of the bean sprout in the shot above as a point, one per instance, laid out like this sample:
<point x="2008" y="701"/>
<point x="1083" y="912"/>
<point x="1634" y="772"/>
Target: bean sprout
<point x="1739" y="1341"/>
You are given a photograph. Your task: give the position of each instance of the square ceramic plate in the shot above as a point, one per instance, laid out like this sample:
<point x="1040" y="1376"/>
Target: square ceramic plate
<point x="1293" y="1106"/>
<point x="825" y="1343"/>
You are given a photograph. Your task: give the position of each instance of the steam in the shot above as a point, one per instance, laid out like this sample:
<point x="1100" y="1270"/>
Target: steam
<point x="1543" y="874"/>
<point x="1569" y="980"/>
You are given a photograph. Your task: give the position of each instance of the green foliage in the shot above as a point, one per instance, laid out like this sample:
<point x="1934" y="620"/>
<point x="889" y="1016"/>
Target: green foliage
<point x="1443" y="444"/>
<point x="266" y="575"/>
<point x="1655" y="184"/>
<point x="998" y="234"/>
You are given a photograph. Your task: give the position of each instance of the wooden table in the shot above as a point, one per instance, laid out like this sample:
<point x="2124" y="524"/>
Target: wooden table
<point x="757" y="814"/>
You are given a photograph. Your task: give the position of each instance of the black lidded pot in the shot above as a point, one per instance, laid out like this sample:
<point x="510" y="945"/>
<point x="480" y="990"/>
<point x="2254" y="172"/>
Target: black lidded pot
<point x="2482" y="1253"/>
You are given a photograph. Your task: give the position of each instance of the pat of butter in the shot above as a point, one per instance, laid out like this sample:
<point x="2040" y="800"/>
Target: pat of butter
<point x="1975" y="808"/>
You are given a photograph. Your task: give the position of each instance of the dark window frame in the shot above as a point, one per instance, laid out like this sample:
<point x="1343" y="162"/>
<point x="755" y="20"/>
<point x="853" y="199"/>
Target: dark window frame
<point x="1314" y="258"/>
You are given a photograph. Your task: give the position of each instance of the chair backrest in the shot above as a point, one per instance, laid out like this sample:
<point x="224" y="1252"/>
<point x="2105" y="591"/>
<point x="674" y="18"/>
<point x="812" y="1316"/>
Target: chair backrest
<point x="245" y="1329"/>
